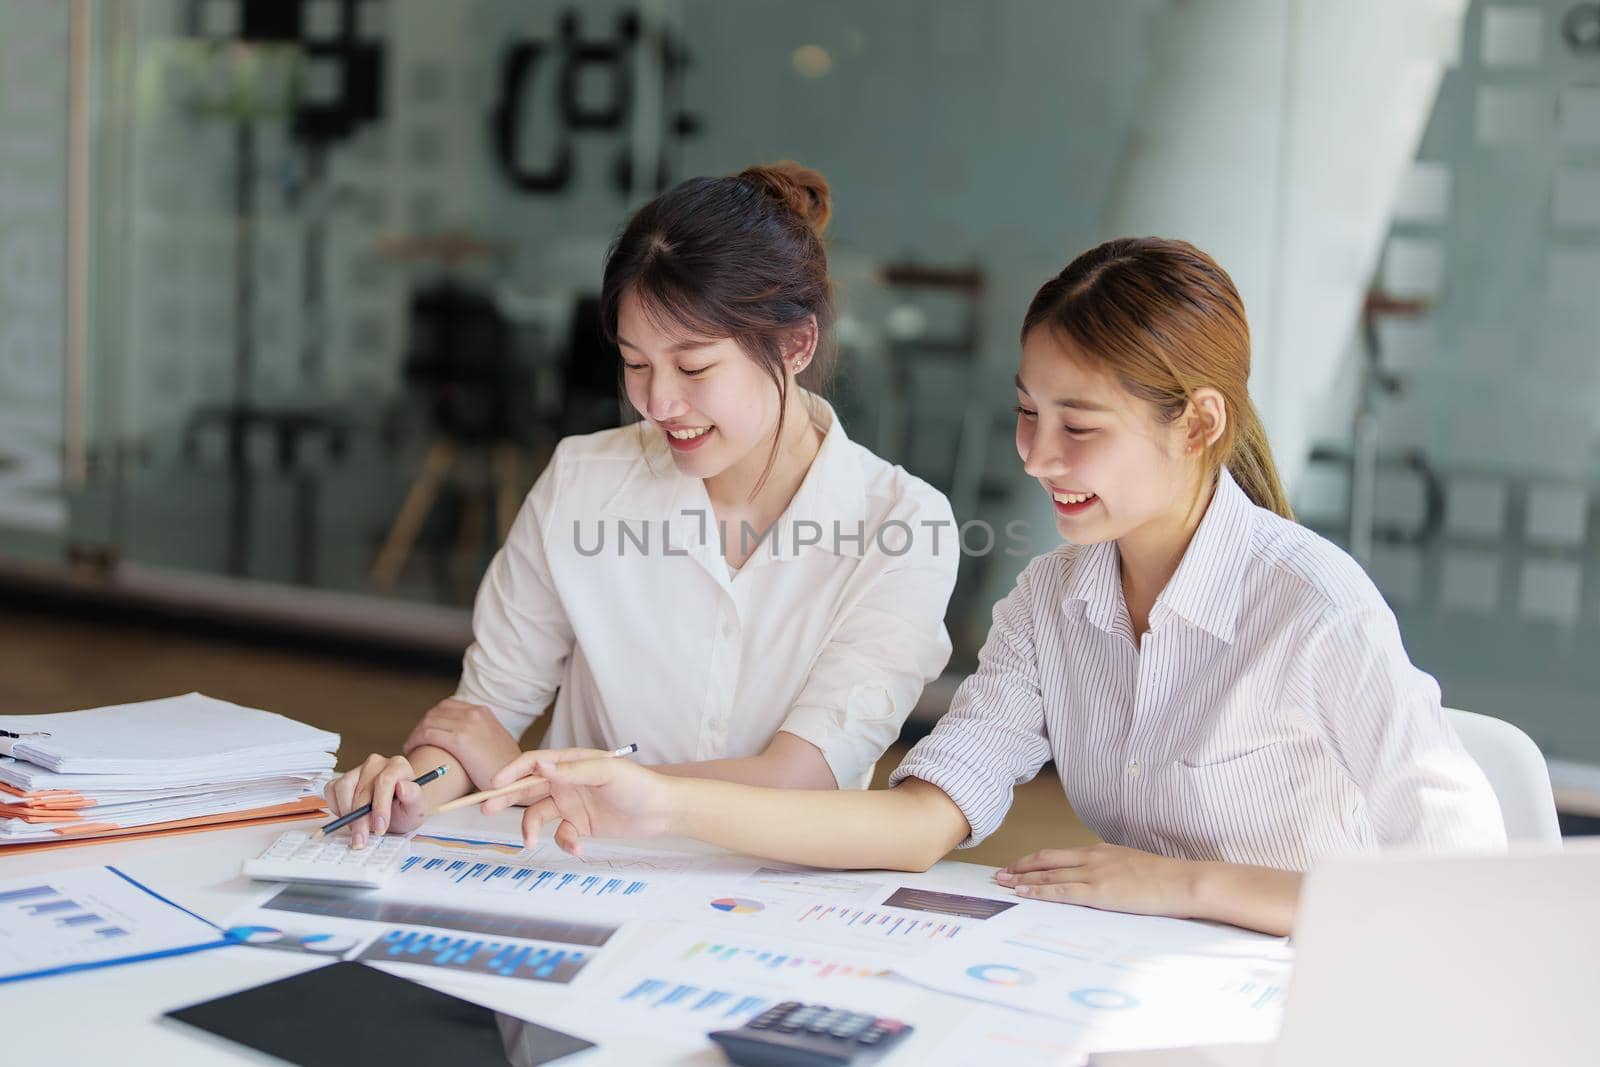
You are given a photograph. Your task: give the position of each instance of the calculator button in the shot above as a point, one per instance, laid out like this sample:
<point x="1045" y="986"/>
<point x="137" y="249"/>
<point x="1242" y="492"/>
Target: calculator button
<point x="871" y="1037"/>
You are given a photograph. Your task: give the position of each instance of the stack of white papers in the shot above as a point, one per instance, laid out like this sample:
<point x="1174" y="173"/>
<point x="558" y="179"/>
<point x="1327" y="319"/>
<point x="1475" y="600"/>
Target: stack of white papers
<point x="109" y="770"/>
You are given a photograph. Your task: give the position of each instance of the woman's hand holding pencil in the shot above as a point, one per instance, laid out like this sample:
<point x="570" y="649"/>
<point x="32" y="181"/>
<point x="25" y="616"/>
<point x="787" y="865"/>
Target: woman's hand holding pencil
<point x="382" y="794"/>
<point x="520" y="788"/>
<point x="385" y="793"/>
<point x="515" y="785"/>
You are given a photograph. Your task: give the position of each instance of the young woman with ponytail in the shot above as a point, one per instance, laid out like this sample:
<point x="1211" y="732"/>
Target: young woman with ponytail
<point x="1224" y="693"/>
<point x="726" y="583"/>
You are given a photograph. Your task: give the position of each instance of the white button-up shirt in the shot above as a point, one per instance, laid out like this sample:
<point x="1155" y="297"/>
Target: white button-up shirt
<point x="612" y="588"/>
<point x="1270" y="715"/>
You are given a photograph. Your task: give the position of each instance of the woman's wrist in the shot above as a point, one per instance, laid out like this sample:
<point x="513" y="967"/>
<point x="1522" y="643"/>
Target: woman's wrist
<point x="677" y="805"/>
<point x="1200" y="889"/>
<point x="1257" y="898"/>
<point x="454" y="783"/>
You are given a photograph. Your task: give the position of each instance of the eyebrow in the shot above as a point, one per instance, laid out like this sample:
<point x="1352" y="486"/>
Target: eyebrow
<point x="1069" y="402"/>
<point x="677" y="346"/>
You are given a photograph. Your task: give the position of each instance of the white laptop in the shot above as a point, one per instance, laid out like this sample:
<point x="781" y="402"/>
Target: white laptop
<point x="1470" y="961"/>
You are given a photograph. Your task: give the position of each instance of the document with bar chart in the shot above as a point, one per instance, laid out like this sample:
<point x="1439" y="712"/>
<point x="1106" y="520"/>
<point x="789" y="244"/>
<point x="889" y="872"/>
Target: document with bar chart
<point x="477" y="907"/>
<point x="497" y="957"/>
<point x="711" y="952"/>
<point x="688" y="979"/>
<point x="459" y="869"/>
<point x="90" y="917"/>
<point x="880" y="929"/>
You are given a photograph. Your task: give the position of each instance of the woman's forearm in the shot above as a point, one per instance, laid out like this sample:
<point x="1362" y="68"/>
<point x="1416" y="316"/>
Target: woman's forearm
<point x="1258" y="898"/>
<point x="750" y="770"/>
<point x="788" y="763"/>
<point x="908" y="828"/>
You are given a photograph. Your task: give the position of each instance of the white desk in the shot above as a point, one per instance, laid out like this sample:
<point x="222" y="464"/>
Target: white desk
<point x="114" y="1015"/>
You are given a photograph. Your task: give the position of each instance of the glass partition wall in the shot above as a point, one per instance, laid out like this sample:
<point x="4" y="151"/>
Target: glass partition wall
<point x="1476" y="448"/>
<point x="345" y="254"/>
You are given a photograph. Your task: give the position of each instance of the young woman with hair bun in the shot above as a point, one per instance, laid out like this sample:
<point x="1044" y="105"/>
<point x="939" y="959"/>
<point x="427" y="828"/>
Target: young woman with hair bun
<point x="726" y="583"/>
<point x="1224" y="693"/>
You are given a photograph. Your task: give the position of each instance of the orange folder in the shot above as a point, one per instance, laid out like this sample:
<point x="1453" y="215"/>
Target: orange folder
<point x="91" y="833"/>
<point x="48" y="798"/>
<point x="17" y="811"/>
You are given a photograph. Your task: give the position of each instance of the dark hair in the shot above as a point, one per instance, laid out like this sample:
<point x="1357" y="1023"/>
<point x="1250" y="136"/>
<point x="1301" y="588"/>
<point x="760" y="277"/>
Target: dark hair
<point x="1165" y="319"/>
<point x="738" y="257"/>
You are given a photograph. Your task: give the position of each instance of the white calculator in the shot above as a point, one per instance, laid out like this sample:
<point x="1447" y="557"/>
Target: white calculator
<point x="296" y="857"/>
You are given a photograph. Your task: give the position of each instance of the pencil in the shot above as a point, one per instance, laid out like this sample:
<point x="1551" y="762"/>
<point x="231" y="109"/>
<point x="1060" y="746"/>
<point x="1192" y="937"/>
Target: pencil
<point x="366" y="809"/>
<point x="520" y="783"/>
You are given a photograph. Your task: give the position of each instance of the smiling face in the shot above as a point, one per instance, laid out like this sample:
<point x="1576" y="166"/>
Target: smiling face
<point x="1111" y="467"/>
<point x="713" y="404"/>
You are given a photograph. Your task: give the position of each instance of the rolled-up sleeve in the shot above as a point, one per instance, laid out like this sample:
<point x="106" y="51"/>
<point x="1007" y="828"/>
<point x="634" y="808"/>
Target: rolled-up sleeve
<point x="886" y="648"/>
<point x="521" y="634"/>
<point x="1382" y="718"/>
<point x="993" y="737"/>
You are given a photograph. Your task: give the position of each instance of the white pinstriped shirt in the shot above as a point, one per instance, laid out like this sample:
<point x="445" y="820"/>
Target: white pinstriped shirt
<point x="1269" y="716"/>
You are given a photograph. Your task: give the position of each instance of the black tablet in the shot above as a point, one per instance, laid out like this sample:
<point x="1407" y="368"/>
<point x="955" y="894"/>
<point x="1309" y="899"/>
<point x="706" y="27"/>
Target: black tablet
<point x="350" y="1013"/>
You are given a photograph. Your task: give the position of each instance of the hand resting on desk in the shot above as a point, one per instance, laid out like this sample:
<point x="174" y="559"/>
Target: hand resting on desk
<point x="1110" y="877"/>
<point x="1117" y="878"/>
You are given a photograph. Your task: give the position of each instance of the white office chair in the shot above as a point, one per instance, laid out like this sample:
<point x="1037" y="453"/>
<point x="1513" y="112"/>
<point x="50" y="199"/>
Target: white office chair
<point x="1516" y="770"/>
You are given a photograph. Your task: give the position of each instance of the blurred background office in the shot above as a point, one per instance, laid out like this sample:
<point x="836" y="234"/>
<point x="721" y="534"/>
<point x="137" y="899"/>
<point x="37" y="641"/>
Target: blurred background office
<point x="296" y="296"/>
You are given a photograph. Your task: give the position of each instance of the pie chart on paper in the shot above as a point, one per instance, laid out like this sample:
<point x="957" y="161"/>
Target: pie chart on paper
<point x="1000" y="974"/>
<point x="738" y="905"/>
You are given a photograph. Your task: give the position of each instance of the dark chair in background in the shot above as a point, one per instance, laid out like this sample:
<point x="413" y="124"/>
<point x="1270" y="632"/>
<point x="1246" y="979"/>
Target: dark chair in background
<point x="463" y="362"/>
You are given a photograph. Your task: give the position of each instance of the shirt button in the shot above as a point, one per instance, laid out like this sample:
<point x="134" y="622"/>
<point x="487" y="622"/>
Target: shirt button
<point x="729" y="628"/>
<point x="1133" y="769"/>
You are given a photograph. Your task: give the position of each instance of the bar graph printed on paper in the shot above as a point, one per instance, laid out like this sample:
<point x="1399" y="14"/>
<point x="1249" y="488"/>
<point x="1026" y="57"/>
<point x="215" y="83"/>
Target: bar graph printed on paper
<point x="712" y="1004"/>
<point x="45" y="904"/>
<point x="507" y="959"/>
<point x="785" y="962"/>
<point x="1261" y="994"/>
<point x="338" y="902"/>
<point x="514" y="878"/>
<point x="889" y="925"/>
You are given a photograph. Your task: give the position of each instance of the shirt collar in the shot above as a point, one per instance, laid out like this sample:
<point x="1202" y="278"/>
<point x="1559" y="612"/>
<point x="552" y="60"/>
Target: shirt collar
<point x="833" y="491"/>
<point x="1095" y="582"/>
<point x="833" y="494"/>
<point x="1208" y="587"/>
<point x="1206" y="590"/>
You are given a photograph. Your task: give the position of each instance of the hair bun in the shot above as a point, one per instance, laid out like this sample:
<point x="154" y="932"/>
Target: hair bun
<point x="802" y="190"/>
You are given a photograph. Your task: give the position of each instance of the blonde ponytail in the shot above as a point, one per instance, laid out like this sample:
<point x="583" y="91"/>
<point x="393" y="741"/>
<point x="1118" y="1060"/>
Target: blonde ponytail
<point x="1251" y="464"/>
